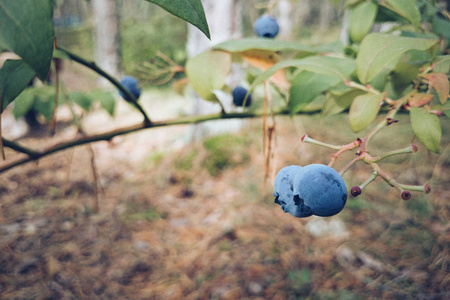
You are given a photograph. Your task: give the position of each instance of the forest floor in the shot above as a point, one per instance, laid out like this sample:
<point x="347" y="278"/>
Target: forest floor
<point x="196" y="220"/>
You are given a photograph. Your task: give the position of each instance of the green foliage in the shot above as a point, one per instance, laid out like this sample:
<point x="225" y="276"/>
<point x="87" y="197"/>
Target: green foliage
<point x="15" y="76"/>
<point x="26" y="28"/>
<point x="379" y="51"/>
<point x="225" y="151"/>
<point x="427" y="128"/>
<point x="188" y="10"/>
<point x="207" y="73"/>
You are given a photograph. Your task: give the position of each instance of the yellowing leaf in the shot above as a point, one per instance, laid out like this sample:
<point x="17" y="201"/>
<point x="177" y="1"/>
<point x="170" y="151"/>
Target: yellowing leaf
<point x="263" y="60"/>
<point x="439" y="82"/>
<point x="417" y="99"/>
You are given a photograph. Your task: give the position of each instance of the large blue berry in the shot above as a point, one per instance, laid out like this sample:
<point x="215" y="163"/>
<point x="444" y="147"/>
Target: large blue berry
<point x="266" y="27"/>
<point x="284" y="192"/>
<point x="239" y="93"/>
<point x="132" y="85"/>
<point x="321" y="189"/>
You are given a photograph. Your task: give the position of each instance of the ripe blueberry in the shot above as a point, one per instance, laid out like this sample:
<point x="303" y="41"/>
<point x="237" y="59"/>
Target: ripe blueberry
<point x="321" y="189"/>
<point x="266" y="27"/>
<point x="239" y="96"/>
<point x="284" y="192"/>
<point x="132" y="85"/>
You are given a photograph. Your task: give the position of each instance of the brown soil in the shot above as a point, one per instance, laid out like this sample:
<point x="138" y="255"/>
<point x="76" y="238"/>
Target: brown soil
<point x="164" y="231"/>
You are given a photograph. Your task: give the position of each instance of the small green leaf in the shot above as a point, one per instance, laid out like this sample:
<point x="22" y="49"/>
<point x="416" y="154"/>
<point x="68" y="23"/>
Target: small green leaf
<point x="306" y="86"/>
<point x="23" y="103"/>
<point x="332" y="66"/>
<point x="402" y="75"/>
<point x="405" y="8"/>
<point x="427" y="128"/>
<point x="83" y="100"/>
<point x="45" y="101"/>
<point x="26" y="28"/>
<point x="15" y="76"/>
<point x="443" y="108"/>
<point x="361" y="20"/>
<point x="364" y="110"/>
<point x="337" y="102"/>
<point x="189" y="10"/>
<point x="207" y="72"/>
<point x="442" y="64"/>
<point x="242" y="45"/>
<point x="378" y="50"/>
<point x="107" y="101"/>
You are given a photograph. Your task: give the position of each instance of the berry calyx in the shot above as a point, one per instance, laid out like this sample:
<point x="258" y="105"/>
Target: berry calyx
<point x="356" y="191"/>
<point x="406" y="195"/>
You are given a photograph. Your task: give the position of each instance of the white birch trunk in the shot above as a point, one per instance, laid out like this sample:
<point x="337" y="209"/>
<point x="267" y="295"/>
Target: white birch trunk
<point x="107" y="37"/>
<point x="224" y="20"/>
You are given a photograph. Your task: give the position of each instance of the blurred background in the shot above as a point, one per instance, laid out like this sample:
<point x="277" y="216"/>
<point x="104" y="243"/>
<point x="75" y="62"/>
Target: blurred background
<point x="195" y="219"/>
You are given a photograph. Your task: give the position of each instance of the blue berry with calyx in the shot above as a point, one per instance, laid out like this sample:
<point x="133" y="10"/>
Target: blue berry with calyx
<point x="239" y="93"/>
<point x="131" y="84"/>
<point x="266" y="27"/>
<point x="284" y="192"/>
<point x="320" y="189"/>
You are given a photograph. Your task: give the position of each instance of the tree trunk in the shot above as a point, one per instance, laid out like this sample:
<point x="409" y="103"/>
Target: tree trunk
<point x="107" y="36"/>
<point x="285" y="19"/>
<point x="224" y="20"/>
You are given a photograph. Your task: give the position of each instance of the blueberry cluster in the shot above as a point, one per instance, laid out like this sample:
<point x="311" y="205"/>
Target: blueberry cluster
<point x="239" y="93"/>
<point x="314" y="189"/>
<point x="132" y="85"/>
<point x="266" y="27"/>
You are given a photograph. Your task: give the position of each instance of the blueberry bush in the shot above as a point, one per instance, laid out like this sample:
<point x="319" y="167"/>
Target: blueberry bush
<point x="370" y="76"/>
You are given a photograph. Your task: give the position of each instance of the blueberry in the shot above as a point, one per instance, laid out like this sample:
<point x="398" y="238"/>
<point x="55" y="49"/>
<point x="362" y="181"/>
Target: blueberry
<point x="239" y="96"/>
<point x="284" y="192"/>
<point x="266" y="27"/>
<point x="131" y="84"/>
<point x="321" y="189"/>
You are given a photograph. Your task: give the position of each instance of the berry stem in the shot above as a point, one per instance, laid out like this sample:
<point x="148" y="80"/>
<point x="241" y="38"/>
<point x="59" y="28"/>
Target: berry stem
<point x="369" y="180"/>
<point x="307" y="139"/>
<point x="416" y="188"/>
<point x="409" y="149"/>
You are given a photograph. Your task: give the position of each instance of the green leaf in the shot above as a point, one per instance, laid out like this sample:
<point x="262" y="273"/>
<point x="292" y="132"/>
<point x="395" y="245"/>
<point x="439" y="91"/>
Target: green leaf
<point x="26" y="28"/>
<point x="332" y="66"/>
<point x="189" y="10"/>
<point x="23" y="103"/>
<point x="306" y="86"/>
<point x="45" y="101"/>
<point x="107" y="101"/>
<point x="246" y="44"/>
<point x="405" y="8"/>
<point x="378" y="50"/>
<point x="361" y="20"/>
<point x="442" y="64"/>
<point x="364" y="110"/>
<point x="83" y="100"/>
<point x="402" y="75"/>
<point x="427" y="128"/>
<point x="207" y="72"/>
<point x="443" y="108"/>
<point x="337" y="102"/>
<point x="15" y="76"/>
